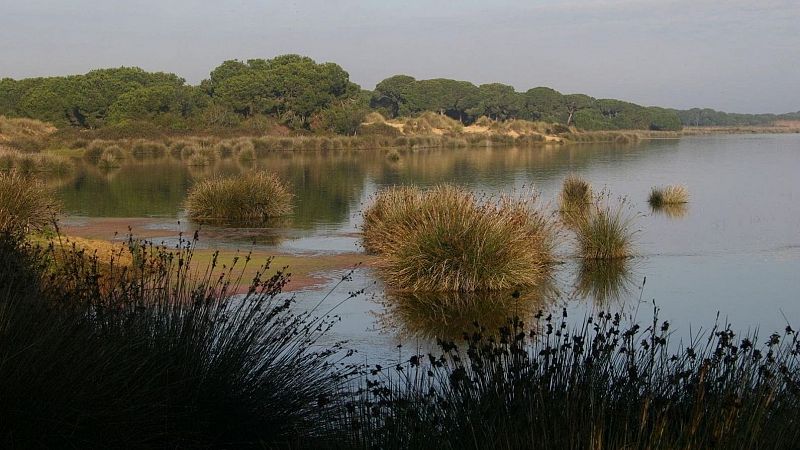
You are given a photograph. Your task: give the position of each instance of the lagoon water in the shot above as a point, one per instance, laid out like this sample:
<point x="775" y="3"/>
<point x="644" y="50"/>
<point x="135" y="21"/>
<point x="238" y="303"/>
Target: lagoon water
<point x="735" y="249"/>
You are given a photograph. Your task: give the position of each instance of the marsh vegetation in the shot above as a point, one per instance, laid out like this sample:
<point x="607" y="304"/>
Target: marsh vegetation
<point x="669" y="195"/>
<point x="448" y="239"/>
<point x="255" y="196"/>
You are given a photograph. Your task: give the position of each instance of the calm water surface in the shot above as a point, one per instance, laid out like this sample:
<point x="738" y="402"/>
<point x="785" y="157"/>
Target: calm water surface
<point x="734" y="250"/>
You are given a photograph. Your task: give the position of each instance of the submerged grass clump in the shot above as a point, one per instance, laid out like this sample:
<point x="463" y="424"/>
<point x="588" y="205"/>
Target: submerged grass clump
<point x="606" y="232"/>
<point x="25" y="204"/>
<point x="670" y="195"/>
<point x="447" y="239"/>
<point x="255" y="196"/>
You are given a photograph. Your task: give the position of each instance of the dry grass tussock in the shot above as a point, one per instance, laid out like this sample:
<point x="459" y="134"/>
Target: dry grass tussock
<point x="669" y="195"/>
<point x="33" y="162"/>
<point x="15" y="127"/>
<point x="255" y="196"/>
<point x="448" y="239"/>
<point x="607" y="231"/>
<point x="574" y="198"/>
<point x="25" y="204"/>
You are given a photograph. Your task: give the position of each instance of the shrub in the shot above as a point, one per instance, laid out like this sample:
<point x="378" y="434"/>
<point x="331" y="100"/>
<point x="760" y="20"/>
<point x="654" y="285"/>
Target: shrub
<point x="176" y="148"/>
<point x="189" y="150"/>
<point x="25" y="204"/>
<point x="198" y="160"/>
<point x="111" y="157"/>
<point x="254" y="196"/>
<point x="447" y="239"/>
<point x="393" y="156"/>
<point x="95" y="150"/>
<point x="606" y="232"/>
<point x="374" y="117"/>
<point x="670" y="195"/>
<point x="378" y="129"/>
<point x="224" y="149"/>
<point x="30" y="163"/>
<point x="247" y="154"/>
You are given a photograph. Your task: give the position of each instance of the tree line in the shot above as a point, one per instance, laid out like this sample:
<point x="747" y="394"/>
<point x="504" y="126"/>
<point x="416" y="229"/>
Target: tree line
<point x="302" y="94"/>
<point x="697" y="117"/>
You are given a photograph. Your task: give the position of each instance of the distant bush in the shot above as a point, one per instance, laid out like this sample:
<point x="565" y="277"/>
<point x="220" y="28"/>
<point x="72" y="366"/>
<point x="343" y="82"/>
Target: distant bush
<point x="252" y="197"/>
<point x="111" y="157"/>
<point x="378" y="129"/>
<point x="148" y="149"/>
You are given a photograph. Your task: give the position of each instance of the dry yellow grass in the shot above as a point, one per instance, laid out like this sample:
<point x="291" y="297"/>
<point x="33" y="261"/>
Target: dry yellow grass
<point x="670" y="195"/>
<point x="447" y="239"/>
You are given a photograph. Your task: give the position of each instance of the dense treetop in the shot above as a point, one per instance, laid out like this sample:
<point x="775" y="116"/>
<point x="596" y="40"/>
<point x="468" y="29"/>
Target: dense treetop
<point x="303" y="94"/>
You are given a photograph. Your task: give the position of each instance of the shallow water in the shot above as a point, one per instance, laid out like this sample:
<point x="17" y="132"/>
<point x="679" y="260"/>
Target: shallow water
<point x="735" y="249"/>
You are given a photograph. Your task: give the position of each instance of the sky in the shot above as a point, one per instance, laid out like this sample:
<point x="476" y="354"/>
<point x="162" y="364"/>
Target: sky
<point x="731" y="55"/>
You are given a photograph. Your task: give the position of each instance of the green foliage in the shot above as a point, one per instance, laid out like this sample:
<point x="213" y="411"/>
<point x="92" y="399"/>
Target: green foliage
<point x="697" y="117"/>
<point x="343" y="118"/>
<point x="290" y="87"/>
<point x="392" y="95"/>
<point x="302" y="94"/>
<point x="497" y="101"/>
<point x="151" y="101"/>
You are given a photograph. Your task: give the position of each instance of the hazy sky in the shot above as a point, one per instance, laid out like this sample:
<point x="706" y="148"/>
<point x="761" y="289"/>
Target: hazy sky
<point x="734" y="55"/>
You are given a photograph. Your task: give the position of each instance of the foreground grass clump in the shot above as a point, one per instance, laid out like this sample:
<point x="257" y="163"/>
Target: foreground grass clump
<point x="253" y="196"/>
<point x="670" y="195"/>
<point x="608" y="383"/>
<point x="161" y="349"/>
<point x="606" y="232"/>
<point x="447" y="239"/>
<point x="25" y="204"/>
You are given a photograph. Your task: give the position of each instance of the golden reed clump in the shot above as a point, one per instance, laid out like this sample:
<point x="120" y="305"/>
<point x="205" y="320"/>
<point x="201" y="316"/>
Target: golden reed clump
<point x="447" y="239"/>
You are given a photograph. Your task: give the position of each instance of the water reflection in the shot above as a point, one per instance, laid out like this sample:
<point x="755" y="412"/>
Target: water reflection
<point x="605" y="281"/>
<point x="449" y="315"/>
<point x="328" y="185"/>
<point x="672" y="211"/>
